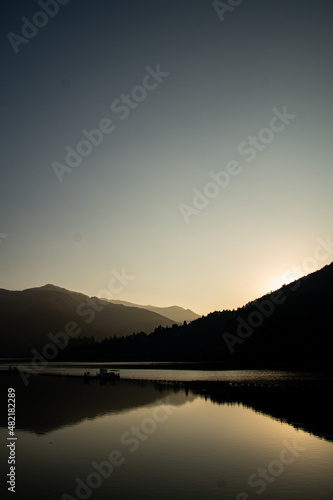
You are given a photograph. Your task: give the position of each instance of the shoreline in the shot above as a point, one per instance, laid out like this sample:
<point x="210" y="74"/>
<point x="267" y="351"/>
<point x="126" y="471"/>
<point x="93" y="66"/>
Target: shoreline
<point x="319" y="379"/>
<point x="175" y="365"/>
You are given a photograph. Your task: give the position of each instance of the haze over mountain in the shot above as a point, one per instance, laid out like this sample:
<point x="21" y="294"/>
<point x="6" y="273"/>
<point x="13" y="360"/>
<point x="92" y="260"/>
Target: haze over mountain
<point x="28" y="316"/>
<point x="175" y="313"/>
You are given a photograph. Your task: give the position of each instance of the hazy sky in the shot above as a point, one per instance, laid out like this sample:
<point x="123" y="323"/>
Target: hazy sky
<point x="212" y="175"/>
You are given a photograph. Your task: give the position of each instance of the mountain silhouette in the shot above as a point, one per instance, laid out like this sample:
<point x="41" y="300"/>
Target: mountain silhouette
<point x="28" y="316"/>
<point x="175" y="313"/>
<point x="291" y="327"/>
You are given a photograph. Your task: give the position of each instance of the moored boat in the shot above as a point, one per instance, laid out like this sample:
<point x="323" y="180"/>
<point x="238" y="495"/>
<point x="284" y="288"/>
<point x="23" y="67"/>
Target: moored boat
<point x="107" y="374"/>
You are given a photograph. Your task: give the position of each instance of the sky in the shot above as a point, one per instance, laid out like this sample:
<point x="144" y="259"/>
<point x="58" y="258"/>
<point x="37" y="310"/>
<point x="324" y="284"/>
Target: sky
<point x="165" y="151"/>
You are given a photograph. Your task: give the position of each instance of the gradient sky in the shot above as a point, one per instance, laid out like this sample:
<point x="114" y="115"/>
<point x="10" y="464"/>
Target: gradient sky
<point x="120" y="207"/>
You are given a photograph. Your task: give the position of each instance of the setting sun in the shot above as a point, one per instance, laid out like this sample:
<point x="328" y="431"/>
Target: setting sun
<point x="284" y="279"/>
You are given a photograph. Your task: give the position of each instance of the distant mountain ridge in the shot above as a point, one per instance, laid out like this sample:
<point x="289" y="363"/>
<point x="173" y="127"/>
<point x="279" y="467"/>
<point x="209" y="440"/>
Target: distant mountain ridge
<point x="27" y="317"/>
<point x="175" y="313"/>
<point x="290" y="327"/>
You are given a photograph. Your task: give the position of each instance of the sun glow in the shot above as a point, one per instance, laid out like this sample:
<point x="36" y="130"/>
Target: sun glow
<point x="283" y="279"/>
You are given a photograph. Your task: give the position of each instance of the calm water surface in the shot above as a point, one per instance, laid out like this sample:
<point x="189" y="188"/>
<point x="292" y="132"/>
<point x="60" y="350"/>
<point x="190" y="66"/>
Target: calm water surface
<point x="155" y="371"/>
<point x="133" y="440"/>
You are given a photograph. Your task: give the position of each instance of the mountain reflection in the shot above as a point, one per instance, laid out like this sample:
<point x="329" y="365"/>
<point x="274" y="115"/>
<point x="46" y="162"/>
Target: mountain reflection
<point x="49" y="403"/>
<point x="304" y="406"/>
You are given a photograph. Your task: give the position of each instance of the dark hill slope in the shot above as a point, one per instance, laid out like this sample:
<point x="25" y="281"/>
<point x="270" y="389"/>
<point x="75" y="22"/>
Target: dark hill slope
<point x="289" y="327"/>
<point x="27" y="316"/>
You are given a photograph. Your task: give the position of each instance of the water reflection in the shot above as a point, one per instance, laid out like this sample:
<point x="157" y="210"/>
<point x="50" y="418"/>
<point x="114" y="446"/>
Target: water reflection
<point x="67" y="401"/>
<point x="205" y="442"/>
<point x="305" y="406"/>
<point x="49" y="403"/>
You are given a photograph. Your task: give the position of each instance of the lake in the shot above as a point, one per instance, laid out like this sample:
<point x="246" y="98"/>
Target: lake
<point x="241" y="435"/>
